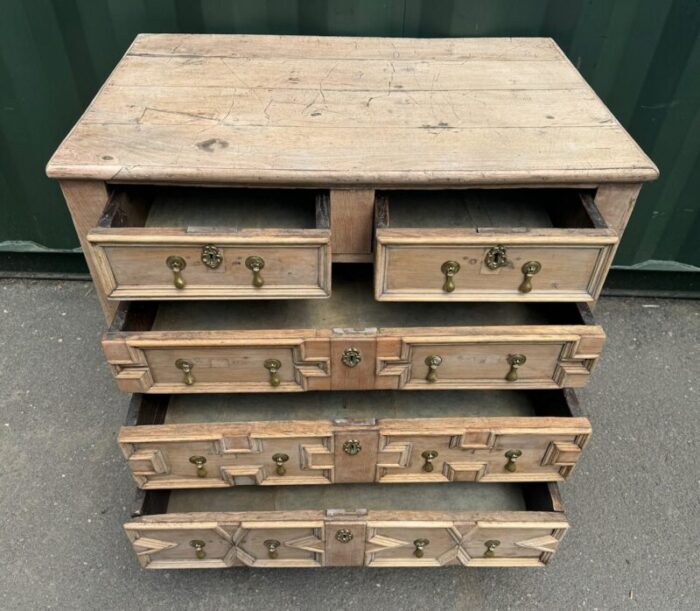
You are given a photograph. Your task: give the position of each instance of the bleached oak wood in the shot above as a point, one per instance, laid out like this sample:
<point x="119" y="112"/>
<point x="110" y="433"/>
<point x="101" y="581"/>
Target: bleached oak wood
<point x="352" y="213"/>
<point x="384" y="535"/>
<point x="300" y="96"/>
<point x="86" y="201"/>
<point x="616" y="202"/>
<point x="470" y="448"/>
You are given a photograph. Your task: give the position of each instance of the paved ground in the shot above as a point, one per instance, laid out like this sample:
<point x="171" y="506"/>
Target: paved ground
<point x="64" y="490"/>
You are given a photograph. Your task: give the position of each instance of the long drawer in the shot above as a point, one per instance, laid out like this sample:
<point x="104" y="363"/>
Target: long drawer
<point x="350" y="342"/>
<point x="518" y="525"/>
<point x="186" y="441"/>
<point x="213" y="243"/>
<point x="491" y="245"/>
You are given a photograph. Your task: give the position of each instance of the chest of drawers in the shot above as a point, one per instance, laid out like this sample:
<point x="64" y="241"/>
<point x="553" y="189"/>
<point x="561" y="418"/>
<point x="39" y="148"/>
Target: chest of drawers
<point x="350" y="283"/>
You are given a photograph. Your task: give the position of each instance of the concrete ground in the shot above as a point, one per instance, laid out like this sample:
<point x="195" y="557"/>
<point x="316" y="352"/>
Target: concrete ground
<point x="633" y="501"/>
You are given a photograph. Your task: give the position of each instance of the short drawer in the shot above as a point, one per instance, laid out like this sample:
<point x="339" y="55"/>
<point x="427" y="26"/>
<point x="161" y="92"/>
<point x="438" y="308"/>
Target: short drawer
<point x="517" y="525"/>
<point x="350" y="342"/>
<point x="490" y="245"/>
<point x="185" y="441"/>
<point x="213" y="243"/>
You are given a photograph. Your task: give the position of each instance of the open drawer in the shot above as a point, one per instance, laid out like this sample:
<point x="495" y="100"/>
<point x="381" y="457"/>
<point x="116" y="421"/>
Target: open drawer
<point x="349" y="342"/>
<point x="490" y="245"/>
<point x="213" y="243"/>
<point x="517" y="525"/>
<point x="186" y="441"/>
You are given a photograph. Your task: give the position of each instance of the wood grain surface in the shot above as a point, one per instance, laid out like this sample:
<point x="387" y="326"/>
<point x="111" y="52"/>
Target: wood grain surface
<point x="295" y="110"/>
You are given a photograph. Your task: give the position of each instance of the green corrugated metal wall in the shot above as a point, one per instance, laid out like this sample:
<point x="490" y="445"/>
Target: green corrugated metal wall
<point x="642" y="57"/>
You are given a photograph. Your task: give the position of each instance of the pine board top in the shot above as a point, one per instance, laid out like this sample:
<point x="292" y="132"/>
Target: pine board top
<point x="331" y="111"/>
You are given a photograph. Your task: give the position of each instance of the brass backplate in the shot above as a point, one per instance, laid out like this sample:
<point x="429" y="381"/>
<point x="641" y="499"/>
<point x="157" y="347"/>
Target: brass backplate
<point x="352" y="447"/>
<point x="351" y="357"/>
<point x="344" y="535"/>
<point x="211" y="256"/>
<point x="496" y="257"/>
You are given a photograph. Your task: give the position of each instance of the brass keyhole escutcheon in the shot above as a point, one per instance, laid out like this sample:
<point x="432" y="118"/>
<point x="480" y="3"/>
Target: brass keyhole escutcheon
<point x="186" y="368"/>
<point x="529" y="270"/>
<point x="515" y="361"/>
<point x="176" y="265"/>
<point x="428" y="456"/>
<point x="271" y="545"/>
<point x="449" y="269"/>
<point x="512" y="456"/>
<point x="496" y="257"/>
<point x="491" y="546"/>
<point x="211" y="256"/>
<point x="344" y="535"/>
<point x="433" y="362"/>
<point x="279" y="460"/>
<point x="255" y="265"/>
<point x="273" y="366"/>
<point x="352" y="447"/>
<point x="199" y="548"/>
<point x="199" y="462"/>
<point x="351" y="357"/>
<point x="420" y="545"/>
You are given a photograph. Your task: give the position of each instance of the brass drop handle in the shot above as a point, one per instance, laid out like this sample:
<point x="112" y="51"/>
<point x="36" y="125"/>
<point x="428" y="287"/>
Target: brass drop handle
<point x="433" y="362"/>
<point x="529" y="270"/>
<point x="449" y="269"/>
<point x="273" y="366"/>
<point x="512" y="456"/>
<point x="515" y="361"/>
<point x="199" y="462"/>
<point x="176" y="265"/>
<point x="199" y="549"/>
<point x="271" y="545"/>
<point x="491" y="546"/>
<point x="279" y="460"/>
<point x="186" y="368"/>
<point x="420" y="545"/>
<point x="255" y="265"/>
<point x="429" y="456"/>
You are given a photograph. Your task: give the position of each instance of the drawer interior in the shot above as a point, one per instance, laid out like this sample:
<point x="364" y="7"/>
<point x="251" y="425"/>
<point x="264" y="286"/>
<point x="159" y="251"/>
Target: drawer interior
<point x="352" y="305"/>
<point x="488" y="209"/>
<point x="349" y="405"/>
<point x="457" y="497"/>
<point x="215" y="208"/>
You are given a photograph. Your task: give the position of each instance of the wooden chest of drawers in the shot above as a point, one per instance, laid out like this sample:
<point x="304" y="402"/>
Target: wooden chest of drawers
<point x="413" y="232"/>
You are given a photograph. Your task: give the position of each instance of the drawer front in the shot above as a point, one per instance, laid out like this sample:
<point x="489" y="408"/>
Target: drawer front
<point x="539" y="360"/>
<point x="479" y="543"/>
<point x="146" y="268"/>
<point x="456" y="362"/>
<point x="508" y="356"/>
<point x="205" y="543"/>
<point x="386" y="450"/>
<point x="230" y="459"/>
<point x="563" y="272"/>
<point x="496" y="454"/>
<point x="334" y="537"/>
<point x="258" y="365"/>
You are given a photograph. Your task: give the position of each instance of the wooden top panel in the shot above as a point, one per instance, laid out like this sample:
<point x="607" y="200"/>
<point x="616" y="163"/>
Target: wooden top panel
<point x="310" y="111"/>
